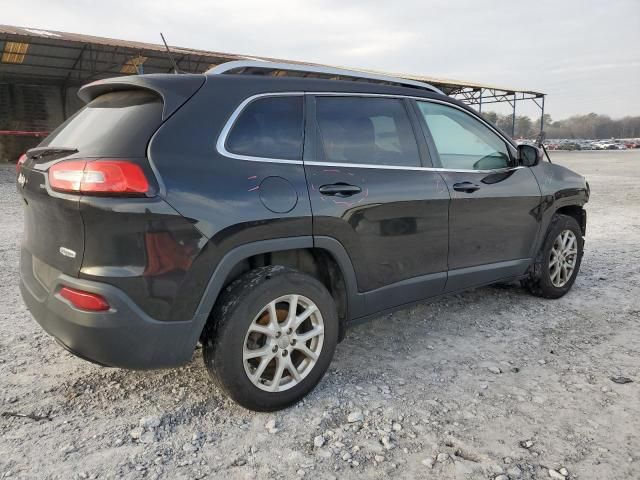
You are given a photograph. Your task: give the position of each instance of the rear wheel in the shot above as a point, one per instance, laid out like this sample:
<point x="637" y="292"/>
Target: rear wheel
<point x="558" y="262"/>
<point x="271" y="337"/>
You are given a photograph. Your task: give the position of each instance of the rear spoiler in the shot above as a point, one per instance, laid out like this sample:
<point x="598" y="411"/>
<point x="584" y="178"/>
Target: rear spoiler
<point x="175" y="90"/>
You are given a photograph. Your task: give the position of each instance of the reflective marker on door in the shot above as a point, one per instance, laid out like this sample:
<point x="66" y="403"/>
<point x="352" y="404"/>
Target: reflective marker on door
<point x="67" y="252"/>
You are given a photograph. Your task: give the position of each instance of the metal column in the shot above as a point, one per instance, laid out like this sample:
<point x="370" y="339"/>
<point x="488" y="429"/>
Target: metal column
<point x="513" y="119"/>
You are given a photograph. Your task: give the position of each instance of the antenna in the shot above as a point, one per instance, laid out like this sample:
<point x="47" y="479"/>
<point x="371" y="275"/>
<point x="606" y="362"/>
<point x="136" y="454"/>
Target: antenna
<point x="175" y="66"/>
<point x="540" y="143"/>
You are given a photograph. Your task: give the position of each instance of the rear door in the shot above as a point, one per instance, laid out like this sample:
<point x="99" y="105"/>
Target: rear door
<point x="369" y="190"/>
<point x="492" y="216"/>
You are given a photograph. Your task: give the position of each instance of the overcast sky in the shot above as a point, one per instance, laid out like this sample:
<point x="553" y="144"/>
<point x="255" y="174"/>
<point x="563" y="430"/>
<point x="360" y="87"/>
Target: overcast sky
<point x="584" y="54"/>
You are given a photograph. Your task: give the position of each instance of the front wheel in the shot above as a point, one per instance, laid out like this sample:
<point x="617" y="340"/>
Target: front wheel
<point x="271" y="337"/>
<point x="558" y="262"/>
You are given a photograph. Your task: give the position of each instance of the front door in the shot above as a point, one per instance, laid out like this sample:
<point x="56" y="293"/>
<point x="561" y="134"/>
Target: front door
<point x="369" y="191"/>
<point x="492" y="216"/>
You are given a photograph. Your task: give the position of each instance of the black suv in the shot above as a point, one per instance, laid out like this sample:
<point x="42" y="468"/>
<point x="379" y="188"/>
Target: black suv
<point x="260" y="208"/>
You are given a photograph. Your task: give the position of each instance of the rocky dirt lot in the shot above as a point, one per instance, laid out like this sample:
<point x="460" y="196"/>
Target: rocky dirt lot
<point x="489" y="384"/>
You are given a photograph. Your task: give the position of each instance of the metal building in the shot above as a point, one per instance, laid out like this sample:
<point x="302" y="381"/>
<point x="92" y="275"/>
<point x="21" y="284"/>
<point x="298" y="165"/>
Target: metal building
<point x="41" y="71"/>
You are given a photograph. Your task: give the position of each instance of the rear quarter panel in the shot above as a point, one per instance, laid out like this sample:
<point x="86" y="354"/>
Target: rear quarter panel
<point x="221" y="196"/>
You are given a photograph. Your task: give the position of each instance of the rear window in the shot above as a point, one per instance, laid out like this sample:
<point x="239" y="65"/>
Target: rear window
<point x="269" y="127"/>
<point x="114" y="124"/>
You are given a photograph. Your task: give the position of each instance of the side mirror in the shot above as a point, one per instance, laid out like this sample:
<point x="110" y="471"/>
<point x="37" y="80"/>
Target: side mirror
<point x="528" y="155"/>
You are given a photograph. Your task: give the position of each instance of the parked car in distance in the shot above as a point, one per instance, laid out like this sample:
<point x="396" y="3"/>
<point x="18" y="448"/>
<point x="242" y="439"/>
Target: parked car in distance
<point x="261" y="213"/>
<point x="582" y="144"/>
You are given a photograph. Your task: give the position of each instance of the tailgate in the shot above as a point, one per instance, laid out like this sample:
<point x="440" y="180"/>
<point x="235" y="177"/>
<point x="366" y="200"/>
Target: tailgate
<point x="53" y="229"/>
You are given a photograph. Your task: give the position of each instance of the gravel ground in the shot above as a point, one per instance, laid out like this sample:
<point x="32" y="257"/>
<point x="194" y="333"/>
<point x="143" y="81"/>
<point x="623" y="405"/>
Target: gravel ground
<point x="492" y="383"/>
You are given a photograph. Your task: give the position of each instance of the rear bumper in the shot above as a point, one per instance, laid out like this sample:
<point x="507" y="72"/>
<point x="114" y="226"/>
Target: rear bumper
<point x="123" y="336"/>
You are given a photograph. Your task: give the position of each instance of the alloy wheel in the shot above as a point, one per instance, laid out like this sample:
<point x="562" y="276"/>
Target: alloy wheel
<point x="563" y="258"/>
<point x="283" y="343"/>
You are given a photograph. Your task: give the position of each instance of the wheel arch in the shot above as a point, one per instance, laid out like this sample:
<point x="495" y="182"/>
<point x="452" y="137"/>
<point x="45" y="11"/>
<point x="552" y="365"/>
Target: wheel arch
<point x="577" y="212"/>
<point x="326" y="259"/>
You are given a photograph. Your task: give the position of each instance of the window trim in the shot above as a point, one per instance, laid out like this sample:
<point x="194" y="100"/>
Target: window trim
<point x="222" y="138"/>
<point x="221" y="144"/>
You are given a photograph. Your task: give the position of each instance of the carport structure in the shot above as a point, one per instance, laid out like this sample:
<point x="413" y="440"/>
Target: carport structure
<point x="41" y="71"/>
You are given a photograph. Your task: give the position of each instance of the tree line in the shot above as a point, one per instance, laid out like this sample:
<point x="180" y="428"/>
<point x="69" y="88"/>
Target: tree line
<point x="591" y="125"/>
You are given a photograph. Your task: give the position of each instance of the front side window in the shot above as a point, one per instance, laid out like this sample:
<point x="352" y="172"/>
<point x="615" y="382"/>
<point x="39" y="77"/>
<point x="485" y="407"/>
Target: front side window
<point x="269" y="127"/>
<point x="462" y="141"/>
<point x="366" y="130"/>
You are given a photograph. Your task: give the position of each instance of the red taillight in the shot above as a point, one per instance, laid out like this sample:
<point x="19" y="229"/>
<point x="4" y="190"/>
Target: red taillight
<point x="99" y="177"/>
<point x="21" y="160"/>
<point x="84" y="300"/>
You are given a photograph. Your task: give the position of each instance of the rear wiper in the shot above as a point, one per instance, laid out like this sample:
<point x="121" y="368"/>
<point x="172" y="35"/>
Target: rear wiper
<point x="40" y="152"/>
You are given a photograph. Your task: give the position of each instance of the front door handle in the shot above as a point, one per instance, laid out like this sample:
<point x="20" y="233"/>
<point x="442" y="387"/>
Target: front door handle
<point x="339" y="189"/>
<point x="466" y="187"/>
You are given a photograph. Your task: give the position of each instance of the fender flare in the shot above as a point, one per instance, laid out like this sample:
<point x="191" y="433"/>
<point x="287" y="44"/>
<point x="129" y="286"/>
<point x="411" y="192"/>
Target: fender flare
<point x="233" y="257"/>
<point x="554" y="206"/>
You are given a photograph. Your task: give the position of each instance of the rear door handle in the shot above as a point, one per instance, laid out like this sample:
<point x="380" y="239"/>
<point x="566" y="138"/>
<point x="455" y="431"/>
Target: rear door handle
<point x="466" y="187"/>
<point x="339" y="189"/>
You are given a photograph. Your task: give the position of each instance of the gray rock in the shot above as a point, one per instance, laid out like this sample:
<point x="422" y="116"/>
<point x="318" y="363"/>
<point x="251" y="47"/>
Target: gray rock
<point x="189" y="448"/>
<point x="428" y="462"/>
<point x="514" y="472"/>
<point x="501" y="477"/>
<point x="555" y="475"/>
<point x="494" y="369"/>
<point x="149" y="422"/>
<point x="442" y="457"/>
<point x="271" y="426"/>
<point x="318" y="441"/>
<point x="148" y="437"/>
<point x="563" y="471"/>
<point x="67" y="449"/>
<point x="355" y="416"/>
<point x="526" y="444"/>
<point x="136" y="433"/>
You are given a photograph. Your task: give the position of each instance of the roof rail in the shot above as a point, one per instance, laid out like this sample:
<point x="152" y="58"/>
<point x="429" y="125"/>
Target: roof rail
<point x="259" y="66"/>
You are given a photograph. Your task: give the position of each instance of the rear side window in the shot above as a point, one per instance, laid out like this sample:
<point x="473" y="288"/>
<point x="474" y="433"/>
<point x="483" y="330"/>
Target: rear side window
<point x="366" y="130"/>
<point x="269" y="127"/>
<point x="115" y="124"/>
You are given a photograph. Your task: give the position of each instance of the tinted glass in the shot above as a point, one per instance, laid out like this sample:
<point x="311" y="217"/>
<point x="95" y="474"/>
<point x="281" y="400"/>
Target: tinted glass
<point x="462" y="141"/>
<point x="269" y="127"/>
<point x="366" y="130"/>
<point x="114" y="124"/>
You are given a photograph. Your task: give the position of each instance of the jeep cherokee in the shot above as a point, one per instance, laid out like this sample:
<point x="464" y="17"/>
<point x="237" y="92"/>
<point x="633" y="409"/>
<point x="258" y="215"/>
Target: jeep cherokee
<point x="260" y="208"/>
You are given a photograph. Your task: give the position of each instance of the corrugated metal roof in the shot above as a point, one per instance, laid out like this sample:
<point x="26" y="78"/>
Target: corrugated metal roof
<point x="74" y="56"/>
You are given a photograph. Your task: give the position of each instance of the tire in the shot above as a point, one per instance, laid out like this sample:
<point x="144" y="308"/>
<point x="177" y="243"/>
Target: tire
<point x="545" y="281"/>
<point x="242" y="325"/>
